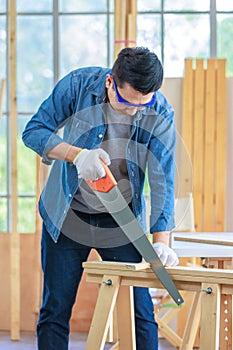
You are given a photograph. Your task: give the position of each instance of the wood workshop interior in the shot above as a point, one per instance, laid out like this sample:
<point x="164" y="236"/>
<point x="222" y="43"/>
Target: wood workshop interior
<point x="40" y="43"/>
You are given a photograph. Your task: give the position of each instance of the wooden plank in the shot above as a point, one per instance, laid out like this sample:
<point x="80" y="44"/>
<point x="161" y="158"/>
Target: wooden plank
<point x="199" y="77"/>
<point x="125" y="317"/>
<point x="37" y="256"/>
<point x="187" y="130"/>
<point x="131" y="30"/>
<point x="168" y="333"/>
<point x="192" y="324"/>
<point x="116" y="265"/>
<point x="209" y="147"/>
<point x="204" y="99"/>
<point x="112" y="336"/>
<point x="205" y="241"/>
<point x="226" y="322"/>
<point x="180" y="281"/>
<point x="104" y="307"/>
<point x="131" y="27"/>
<point x="178" y="273"/>
<point x="185" y="175"/>
<point x="120" y="26"/>
<point x="15" y="242"/>
<point x="220" y="169"/>
<point x="226" y="237"/>
<point x="216" y="245"/>
<point x="209" y="332"/>
<point x="125" y="28"/>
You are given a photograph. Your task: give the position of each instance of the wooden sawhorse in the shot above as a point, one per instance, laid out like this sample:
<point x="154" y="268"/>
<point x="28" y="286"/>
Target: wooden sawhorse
<point x="117" y="280"/>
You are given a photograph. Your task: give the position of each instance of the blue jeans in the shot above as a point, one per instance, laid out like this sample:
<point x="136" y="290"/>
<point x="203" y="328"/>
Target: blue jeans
<point x="62" y="267"/>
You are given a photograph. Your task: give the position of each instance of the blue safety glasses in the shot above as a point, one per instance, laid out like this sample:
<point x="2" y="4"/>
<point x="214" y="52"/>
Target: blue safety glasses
<point x="122" y="100"/>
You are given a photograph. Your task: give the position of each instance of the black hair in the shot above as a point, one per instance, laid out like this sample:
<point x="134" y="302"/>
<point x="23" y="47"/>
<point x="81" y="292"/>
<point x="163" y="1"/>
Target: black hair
<point x="140" y="68"/>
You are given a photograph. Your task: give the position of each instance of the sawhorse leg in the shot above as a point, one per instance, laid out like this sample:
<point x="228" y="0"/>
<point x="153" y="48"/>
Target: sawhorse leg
<point x="226" y="310"/>
<point x="192" y="325"/>
<point x="125" y="318"/>
<point x="104" y="307"/>
<point x="210" y="318"/>
<point x="110" y="291"/>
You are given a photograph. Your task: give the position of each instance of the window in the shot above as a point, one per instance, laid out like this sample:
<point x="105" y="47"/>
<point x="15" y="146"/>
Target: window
<point x="53" y="37"/>
<point x="177" y="29"/>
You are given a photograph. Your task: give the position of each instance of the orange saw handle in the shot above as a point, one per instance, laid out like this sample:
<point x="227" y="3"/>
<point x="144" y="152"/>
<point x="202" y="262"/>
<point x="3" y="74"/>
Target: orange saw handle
<point x="105" y="184"/>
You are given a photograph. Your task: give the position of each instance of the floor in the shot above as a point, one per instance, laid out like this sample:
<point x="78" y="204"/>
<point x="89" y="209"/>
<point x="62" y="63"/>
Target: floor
<point x="77" y="342"/>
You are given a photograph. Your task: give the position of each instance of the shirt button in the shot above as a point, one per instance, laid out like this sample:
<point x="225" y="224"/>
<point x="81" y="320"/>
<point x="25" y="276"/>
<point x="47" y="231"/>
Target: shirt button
<point x="132" y="173"/>
<point x="136" y="195"/>
<point x="100" y="136"/>
<point x="70" y="195"/>
<point x="64" y="211"/>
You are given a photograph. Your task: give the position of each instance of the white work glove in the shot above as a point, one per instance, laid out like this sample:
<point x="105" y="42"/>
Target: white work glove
<point x="167" y="255"/>
<point x="88" y="163"/>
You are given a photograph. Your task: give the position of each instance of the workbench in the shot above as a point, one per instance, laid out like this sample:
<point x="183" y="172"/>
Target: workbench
<point x="217" y="245"/>
<point x="116" y="281"/>
<point x="216" y="251"/>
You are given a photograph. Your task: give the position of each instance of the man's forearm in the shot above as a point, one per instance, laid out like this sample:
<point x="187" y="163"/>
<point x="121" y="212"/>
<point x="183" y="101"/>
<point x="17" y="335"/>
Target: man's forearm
<point x="64" y="151"/>
<point x="162" y="237"/>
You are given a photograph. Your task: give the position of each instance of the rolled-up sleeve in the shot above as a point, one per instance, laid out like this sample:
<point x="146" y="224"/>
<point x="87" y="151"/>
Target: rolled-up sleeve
<point x="161" y="173"/>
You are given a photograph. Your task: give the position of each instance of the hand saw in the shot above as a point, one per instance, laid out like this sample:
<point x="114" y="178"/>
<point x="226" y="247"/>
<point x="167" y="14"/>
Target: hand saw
<point x="110" y="196"/>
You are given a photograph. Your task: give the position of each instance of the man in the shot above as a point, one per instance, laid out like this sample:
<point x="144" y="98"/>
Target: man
<point x="119" y="117"/>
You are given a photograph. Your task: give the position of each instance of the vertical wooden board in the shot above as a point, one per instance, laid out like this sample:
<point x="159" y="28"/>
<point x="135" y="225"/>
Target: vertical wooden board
<point x="15" y="243"/>
<point x="125" y="317"/>
<point x="131" y="30"/>
<point x="199" y="79"/>
<point x="183" y="316"/>
<point x="112" y="336"/>
<point x="192" y="324"/>
<point x="37" y="239"/>
<point x="209" y="146"/>
<point x="104" y="307"/>
<point x="186" y="171"/>
<point x="131" y="23"/>
<point x="133" y="7"/>
<point x="226" y="322"/>
<point x="119" y="26"/>
<point x="187" y="129"/>
<point x="220" y="165"/>
<point x="209" y="328"/>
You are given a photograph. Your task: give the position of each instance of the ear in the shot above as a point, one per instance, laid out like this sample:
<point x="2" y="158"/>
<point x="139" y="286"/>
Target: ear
<point x="108" y="81"/>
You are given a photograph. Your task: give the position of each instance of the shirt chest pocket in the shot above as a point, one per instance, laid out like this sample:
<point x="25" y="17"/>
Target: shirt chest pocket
<point x="83" y="134"/>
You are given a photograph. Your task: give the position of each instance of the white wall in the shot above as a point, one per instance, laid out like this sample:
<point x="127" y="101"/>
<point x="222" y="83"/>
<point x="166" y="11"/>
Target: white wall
<point x="172" y="89"/>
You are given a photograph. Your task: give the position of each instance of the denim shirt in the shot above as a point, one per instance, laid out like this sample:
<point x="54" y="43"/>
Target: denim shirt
<point x="75" y="113"/>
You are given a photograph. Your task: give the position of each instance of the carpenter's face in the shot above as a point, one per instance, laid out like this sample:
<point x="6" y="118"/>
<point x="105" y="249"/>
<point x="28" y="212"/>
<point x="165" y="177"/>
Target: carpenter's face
<point x="126" y="100"/>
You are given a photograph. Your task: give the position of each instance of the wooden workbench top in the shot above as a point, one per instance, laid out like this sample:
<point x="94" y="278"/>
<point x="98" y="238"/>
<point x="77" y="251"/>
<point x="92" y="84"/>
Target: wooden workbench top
<point x="143" y="271"/>
<point x="203" y="244"/>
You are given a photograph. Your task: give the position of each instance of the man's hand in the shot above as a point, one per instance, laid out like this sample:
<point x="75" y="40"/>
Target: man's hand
<point x="167" y="255"/>
<point x="88" y="163"/>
